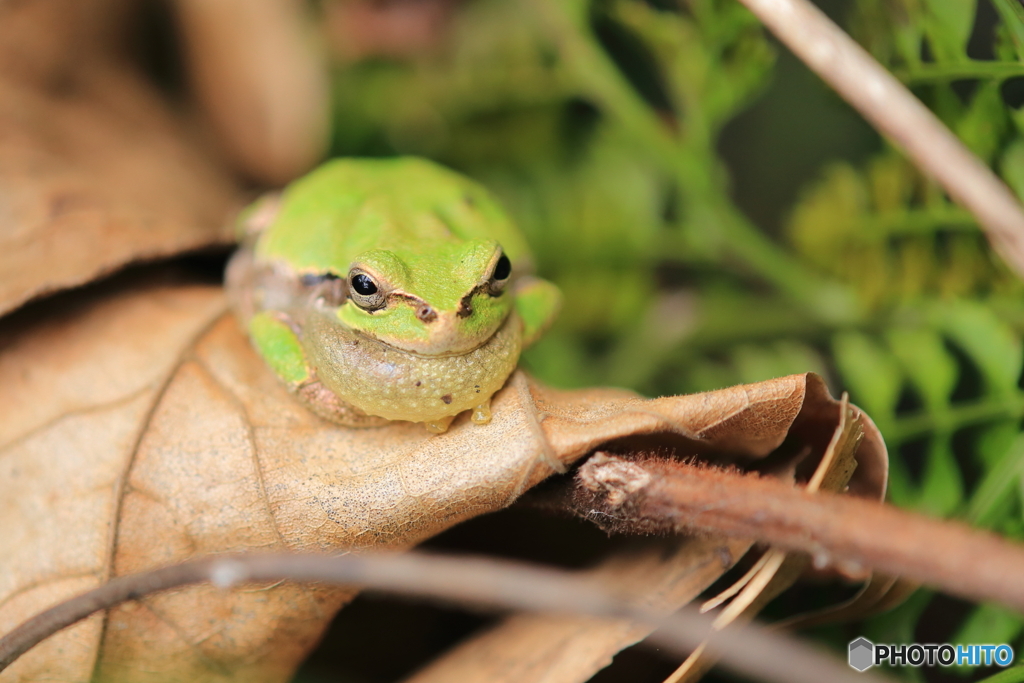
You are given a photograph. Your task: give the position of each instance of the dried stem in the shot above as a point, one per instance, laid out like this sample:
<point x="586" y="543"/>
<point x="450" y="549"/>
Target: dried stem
<point x="895" y="112"/>
<point x="850" y="533"/>
<point x="476" y="582"/>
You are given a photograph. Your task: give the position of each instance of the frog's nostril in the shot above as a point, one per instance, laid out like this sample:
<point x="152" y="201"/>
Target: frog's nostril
<point x="425" y="313"/>
<point x="466" y="306"/>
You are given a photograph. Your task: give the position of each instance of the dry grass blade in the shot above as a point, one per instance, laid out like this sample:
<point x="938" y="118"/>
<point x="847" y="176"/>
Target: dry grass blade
<point x="571" y="649"/>
<point x="779" y="570"/>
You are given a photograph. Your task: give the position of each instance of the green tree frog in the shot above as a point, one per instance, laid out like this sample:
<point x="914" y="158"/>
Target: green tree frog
<point x="388" y="289"/>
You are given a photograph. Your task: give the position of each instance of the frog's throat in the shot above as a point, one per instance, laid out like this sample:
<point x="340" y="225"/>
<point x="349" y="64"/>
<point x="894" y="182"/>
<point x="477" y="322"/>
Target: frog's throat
<point x="387" y="382"/>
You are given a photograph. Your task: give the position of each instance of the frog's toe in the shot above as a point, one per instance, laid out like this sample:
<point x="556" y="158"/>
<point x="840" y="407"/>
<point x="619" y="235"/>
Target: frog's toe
<point x="482" y="413"/>
<point x="440" y="425"/>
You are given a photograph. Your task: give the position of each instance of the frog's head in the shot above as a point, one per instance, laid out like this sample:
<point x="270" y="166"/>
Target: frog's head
<point x="445" y="300"/>
<point x="403" y="250"/>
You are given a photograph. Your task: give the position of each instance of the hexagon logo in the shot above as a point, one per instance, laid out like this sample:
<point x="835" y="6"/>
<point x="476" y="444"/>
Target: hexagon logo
<point x="862" y="654"/>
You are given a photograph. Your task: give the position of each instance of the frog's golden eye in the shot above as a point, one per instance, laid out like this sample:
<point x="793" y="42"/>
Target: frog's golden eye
<point x="365" y="292"/>
<point x="500" y="275"/>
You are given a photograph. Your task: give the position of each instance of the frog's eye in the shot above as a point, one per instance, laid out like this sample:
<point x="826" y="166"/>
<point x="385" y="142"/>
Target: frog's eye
<point x="364" y="285"/>
<point x="499" y="278"/>
<point x="365" y="291"/>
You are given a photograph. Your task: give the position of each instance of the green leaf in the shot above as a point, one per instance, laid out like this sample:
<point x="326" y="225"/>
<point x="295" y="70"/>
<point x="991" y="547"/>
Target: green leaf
<point x="902" y="489"/>
<point x="556" y="358"/>
<point x="1011" y="527"/>
<point x="942" y="486"/>
<point x="1012" y="14"/>
<point x="1014" y="675"/>
<point x="829" y="215"/>
<point x="997" y="485"/>
<point x="1012" y="167"/>
<point x="870" y="372"/>
<point x="758" y="362"/>
<point x="994" y="441"/>
<point x="989" y="624"/>
<point x="893" y="182"/>
<point x="990" y="343"/>
<point x="900" y="624"/>
<point x="712" y="62"/>
<point x="984" y="125"/>
<point x="928" y="363"/>
<point x="795" y="358"/>
<point x="950" y="27"/>
<point x="708" y="376"/>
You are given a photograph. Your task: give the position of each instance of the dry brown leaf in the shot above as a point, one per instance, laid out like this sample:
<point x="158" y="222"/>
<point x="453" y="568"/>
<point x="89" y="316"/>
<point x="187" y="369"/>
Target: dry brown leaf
<point x="778" y="570"/>
<point x="538" y="648"/>
<point x="96" y="173"/>
<point x="140" y="429"/>
<point x="260" y="81"/>
<point x="43" y="41"/>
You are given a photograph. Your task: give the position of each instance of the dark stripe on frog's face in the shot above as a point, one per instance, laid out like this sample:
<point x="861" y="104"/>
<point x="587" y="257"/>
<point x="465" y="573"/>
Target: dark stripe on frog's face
<point x="440" y="300"/>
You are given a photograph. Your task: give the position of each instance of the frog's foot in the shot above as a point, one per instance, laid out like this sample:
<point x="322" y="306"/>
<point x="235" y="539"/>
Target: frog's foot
<point x="440" y="425"/>
<point x="325" y="403"/>
<point x="537" y="302"/>
<point x="482" y="413"/>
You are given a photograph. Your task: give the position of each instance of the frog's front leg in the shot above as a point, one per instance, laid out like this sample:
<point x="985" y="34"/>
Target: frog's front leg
<point x="277" y="342"/>
<point x="537" y="302"/>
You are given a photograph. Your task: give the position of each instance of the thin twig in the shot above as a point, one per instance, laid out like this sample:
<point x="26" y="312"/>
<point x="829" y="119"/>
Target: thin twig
<point x="895" y="112"/>
<point x="476" y="582"/>
<point x="658" y="495"/>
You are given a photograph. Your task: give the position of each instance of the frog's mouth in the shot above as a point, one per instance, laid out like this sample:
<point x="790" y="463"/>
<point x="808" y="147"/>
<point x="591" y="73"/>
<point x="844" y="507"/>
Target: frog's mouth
<point x="388" y="382"/>
<point x="448" y="334"/>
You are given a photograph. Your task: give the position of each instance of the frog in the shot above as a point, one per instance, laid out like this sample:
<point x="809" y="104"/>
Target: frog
<point x="388" y="289"/>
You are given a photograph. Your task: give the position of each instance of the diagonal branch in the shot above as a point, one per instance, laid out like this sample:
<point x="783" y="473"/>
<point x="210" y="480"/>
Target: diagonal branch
<point x="476" y="582"/>
<point x="850" y="533"/>
<point x="896" y="113"/>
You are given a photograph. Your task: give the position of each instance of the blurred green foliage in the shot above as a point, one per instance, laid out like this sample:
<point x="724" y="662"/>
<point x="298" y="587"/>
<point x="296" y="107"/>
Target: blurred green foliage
<point x="598" y="123"/>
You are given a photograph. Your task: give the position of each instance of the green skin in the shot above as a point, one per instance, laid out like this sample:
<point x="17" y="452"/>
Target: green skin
<point x="441" y="333"/>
